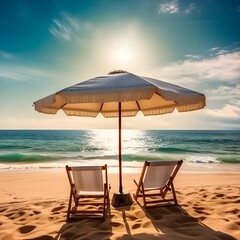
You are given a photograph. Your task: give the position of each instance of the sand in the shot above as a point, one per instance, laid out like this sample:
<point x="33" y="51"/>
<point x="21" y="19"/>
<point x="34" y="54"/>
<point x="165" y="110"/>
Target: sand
<point x="33" y="206"/>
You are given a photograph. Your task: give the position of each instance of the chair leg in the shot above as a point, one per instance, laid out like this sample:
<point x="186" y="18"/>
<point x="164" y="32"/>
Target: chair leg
<point x="143" y="195"/>
<point x="174" y="194"/>
<point x="135" y="195"/>
<point x="104" y="203"/>
<point x="108" y="204"/>
<point x="161" y="193"/>
<point x="69" y="205"/>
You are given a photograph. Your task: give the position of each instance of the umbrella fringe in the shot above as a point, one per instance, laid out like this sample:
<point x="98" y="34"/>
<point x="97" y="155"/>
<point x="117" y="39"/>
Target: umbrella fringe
<point x="191" y="107"/>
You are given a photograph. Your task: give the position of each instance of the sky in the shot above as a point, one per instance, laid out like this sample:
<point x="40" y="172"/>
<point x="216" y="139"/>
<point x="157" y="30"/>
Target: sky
<point x="46" y="46"/>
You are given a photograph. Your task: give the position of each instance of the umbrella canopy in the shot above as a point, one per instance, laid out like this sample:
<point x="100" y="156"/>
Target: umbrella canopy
<point x="102" y="95"/>
<point x="121" y="94"/>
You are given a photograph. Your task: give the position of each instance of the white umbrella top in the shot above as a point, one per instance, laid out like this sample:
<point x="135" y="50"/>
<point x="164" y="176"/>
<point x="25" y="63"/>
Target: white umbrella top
<point x="136" y="93"/>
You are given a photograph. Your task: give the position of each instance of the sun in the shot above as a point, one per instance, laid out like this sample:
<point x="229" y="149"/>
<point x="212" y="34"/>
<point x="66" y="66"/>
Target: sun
<point x="123" y="54"/>
<point x="126" y="48"/>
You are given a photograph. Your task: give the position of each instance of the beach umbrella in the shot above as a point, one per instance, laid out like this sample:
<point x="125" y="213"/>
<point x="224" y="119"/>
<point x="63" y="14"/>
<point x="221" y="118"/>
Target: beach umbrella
<point x="121" y="94"/>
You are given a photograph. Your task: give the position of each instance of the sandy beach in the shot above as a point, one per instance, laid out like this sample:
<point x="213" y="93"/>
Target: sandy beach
<point x="33" y="205"/>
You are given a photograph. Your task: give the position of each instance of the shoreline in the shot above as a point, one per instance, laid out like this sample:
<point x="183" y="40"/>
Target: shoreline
<point x="187" y="167"/>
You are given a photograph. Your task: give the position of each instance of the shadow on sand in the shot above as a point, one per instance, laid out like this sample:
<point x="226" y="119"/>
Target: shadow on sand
<point x="175" y="223"/>
<point x="134" y="222"/>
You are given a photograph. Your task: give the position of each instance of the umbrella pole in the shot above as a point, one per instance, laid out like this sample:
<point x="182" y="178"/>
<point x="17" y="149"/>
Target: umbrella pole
<point x="120" y="146"/>
<point x="120" y="199"/>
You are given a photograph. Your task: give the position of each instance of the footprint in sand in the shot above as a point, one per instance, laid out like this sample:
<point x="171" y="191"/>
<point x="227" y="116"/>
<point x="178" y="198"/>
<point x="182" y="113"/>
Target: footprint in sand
<point x="21" y="213"/>
<point x="44" y="237"/>
<point x="234" y="211"/>
<point x="116" y="224"/>
<point x="220" y="195"/>
<point x="227" y="220"/>
<point x="136" y="226"/>
<point x="3" y="210"/>
<point x="201" y="218"/>
<point x="56" y="209"/>
<point x="36" y="212"/>
<point x="200" y="210"/>
<point x="191" y="193"/>
<point x="51" y="219"/>
<point x="26" y="229"/>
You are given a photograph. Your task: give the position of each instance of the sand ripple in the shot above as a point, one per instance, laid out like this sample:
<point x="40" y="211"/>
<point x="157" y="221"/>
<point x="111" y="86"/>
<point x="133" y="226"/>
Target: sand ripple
<point x="204" y="213"/>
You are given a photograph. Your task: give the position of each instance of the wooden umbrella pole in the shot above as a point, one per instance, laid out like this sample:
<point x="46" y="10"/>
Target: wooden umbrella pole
<point x="120" y="146"/>
<point x="121" y="199"/>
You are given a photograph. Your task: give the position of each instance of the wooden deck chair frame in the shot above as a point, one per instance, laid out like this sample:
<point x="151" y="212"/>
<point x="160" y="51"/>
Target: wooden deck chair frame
<point x="158" y="192"/>
<point x="92" y="198"/>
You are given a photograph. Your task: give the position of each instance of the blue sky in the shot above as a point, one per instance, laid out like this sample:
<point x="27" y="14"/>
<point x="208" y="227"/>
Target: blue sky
<point x="48" y="45"/>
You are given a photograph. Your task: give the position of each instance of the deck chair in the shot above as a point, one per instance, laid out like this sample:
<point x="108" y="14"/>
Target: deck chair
<point x="156" y="180"/>
<point x="89" y="192"/>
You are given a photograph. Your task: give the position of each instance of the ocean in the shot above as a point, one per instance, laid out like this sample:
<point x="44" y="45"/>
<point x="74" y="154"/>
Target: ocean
<point x="201" y="150"/>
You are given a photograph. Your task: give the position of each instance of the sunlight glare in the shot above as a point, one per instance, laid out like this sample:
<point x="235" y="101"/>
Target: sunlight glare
<point x="123" y="54"/>
<point x="126" y="48"/>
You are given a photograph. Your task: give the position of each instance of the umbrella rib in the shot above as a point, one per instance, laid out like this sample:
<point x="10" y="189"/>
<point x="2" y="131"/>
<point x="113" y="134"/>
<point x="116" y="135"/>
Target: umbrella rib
<point x="100" y="110"/>
<point x="63" y="105"/>
<point x="138" y="105"/>
<point x="176" y="103"/>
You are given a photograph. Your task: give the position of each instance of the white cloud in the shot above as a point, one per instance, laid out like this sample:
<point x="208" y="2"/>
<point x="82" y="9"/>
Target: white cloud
<point x="221" y="71"/>
<point x="225" y="50"/>
<point x="60" y="30"/>
<point x="192" y="57"/>
<point x="69" y="28"/>
<point x="191" y="7"/>
<point x="169" y="7"/>
<point x="20" y="73"/>
<point x="226" y="91"/>
<point x="223" y="68"/>
<point x="231" y="110"/>
<point x="218" y="51"/>
<point x="173" y="7"/>
<point x="6" y="55"/>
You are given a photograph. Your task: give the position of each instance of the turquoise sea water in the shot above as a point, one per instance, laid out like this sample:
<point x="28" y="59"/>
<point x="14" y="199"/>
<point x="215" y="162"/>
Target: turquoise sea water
<point x="37" y="149"/>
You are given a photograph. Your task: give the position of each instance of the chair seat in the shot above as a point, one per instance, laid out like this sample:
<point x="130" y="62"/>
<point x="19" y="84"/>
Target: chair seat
<point x="89" y="193"/>
<point x="152" y="189"/>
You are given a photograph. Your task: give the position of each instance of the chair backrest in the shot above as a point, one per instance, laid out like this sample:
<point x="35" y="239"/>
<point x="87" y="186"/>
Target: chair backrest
<point x="86" y="178"/>
<point x="158" y="173"/>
